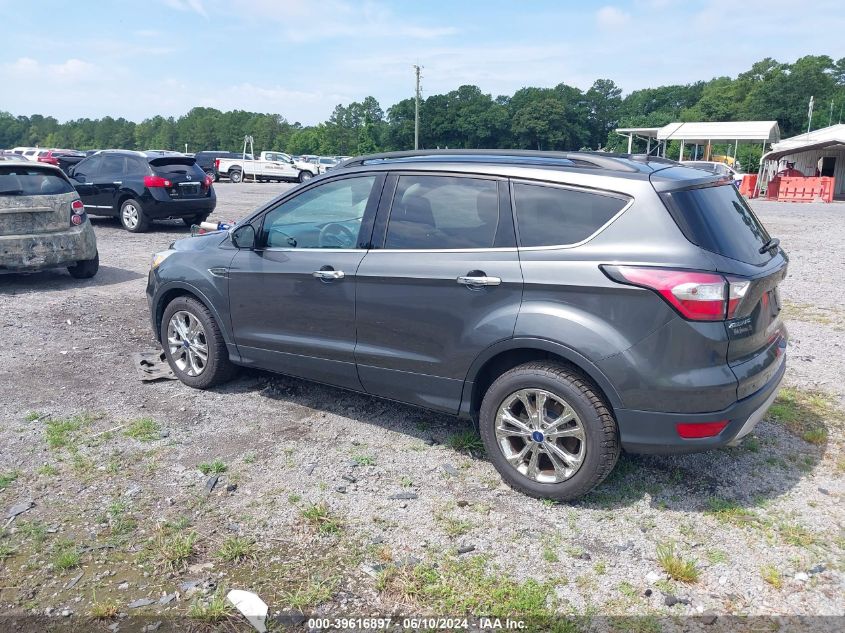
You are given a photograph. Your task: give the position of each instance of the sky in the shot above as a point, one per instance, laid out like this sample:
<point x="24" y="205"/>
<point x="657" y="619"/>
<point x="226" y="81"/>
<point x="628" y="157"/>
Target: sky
<point x="299" y="58"/>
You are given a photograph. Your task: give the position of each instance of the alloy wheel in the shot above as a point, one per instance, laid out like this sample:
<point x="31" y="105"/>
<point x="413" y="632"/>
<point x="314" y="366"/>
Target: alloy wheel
<point x="187" y="343"/>
<point x="540" y="435"/>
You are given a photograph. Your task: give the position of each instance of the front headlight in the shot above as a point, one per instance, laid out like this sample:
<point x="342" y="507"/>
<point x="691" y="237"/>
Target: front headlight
<point x="158" y="258"/>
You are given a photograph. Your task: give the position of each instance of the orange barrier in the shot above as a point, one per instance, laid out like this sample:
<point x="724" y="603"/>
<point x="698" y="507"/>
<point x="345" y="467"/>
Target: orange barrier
<point x="748" y="185"/>
<point x="793" y="189"/>
<point x="772" y="189"/>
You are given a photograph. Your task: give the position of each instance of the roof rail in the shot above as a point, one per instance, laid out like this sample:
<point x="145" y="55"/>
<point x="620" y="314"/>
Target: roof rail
<point x="589" y="160"/>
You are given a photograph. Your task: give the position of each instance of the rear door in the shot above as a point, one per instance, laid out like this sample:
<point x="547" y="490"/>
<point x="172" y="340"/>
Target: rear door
<point x="719" y="220"/>
<point x="33" y="200"/>
<point x="185" y="176"/>
<point x="443" y="283"/>
<point x="108" y="180"/>
<point x="83" y="177"/>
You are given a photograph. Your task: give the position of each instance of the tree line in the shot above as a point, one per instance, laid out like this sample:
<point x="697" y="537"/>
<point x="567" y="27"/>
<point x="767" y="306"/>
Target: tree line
<point x="559" y="118"/>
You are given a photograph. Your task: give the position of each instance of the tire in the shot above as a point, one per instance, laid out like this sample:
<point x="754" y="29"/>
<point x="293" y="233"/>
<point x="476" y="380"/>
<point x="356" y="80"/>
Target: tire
<point x="85" y="268"/>
<point x="305" y="175"/>
<point x="132" y="216"/>
<point x="235" y="175"/>
<point x="216" y="368"/>
<point x="195" y="219"/>
<point x="592" y="455"/>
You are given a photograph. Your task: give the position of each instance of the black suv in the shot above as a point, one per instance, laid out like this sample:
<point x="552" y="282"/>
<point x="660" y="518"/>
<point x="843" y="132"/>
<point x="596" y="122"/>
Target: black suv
<point x="572" y="304"/>
<point x="139" y="187"/>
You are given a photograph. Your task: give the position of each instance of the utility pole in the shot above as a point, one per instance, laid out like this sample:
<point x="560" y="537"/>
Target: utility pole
<point x="810" y="115"/>
<point x="417" y="109"/>
<point x="830" y="120"/>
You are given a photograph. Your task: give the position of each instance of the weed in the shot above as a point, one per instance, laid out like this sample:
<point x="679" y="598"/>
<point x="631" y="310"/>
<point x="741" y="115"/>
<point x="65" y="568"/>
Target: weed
<point x="235" y="549"/>
<point x="466" y="442"/>
<point x="32" y="416"/>
<point x="67" y="556"/>
<point x="803" y="413"/>
<point x="7" y="478"/>
<point x="214" y="609"/>
<point x="104" y="610"/>
<point x="364" y="460"/>
<point x="466" y="586"/>
<point x="249" y="458"/>
<point x="294" y="498"/>
<point x="34" y="530"/>
<point x="628" y="590"/>
<point x="751" y="444"/>
<point x="172" y="550"/>
<point x="772" y="576"/>
<point x="81" y="464"/>
<point x="550" y="555"/>
<point x="717" y="556"/>
<point x="600" y="568"/>
<point x="216" y="467"/>
<point x="48" y="469"/>
<point x="406" y="482"/>
<point x="144" y="430"/>
<point x="677" y="567"/>
<point x="62" y="432"/>
<point x="321" y="519"/>
<point x="797" y="535"/>
<point x="6" y="550"/>
<point x="728" y="511"/>
<point x="310" y="594"/>
<point x="454" y="527"/>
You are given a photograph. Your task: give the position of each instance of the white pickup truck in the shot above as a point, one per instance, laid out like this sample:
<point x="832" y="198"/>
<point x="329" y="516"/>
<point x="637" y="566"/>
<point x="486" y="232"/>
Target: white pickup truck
<point x="270" y="166"/>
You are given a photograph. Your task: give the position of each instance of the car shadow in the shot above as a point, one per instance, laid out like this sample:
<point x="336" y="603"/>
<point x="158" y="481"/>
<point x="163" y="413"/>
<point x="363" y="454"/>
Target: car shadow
<point x="768" y="463"/>
<point x="156" y="226"/>
<point x="59" y="279"/>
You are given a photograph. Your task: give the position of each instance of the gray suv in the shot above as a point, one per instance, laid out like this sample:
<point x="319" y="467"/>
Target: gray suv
<point x="572" y="304"/>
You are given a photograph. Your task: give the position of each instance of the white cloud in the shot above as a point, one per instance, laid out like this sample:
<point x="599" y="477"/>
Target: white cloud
<point x="611" y="18"/>
<point x="26" y="68"/>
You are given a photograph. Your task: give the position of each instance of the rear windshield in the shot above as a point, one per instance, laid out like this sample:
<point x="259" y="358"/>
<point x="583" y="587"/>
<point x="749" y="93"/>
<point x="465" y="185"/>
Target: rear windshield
<point x="173" y="167"/>
<point x="31" y="181"/>
<point x="719" y="220"/>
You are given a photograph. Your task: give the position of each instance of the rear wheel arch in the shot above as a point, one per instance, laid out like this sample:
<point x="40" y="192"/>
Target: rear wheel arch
<point x="506" y="355"/>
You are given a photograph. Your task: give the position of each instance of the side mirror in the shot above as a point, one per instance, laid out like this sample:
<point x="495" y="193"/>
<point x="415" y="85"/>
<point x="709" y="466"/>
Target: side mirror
<point x="244" y="236"/>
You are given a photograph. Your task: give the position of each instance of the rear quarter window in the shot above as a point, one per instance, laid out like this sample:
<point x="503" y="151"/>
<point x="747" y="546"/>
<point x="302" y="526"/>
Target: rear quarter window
<point x="557" y="216"/>
<point x="719" y="220"/>
<point x="31" y="181"/>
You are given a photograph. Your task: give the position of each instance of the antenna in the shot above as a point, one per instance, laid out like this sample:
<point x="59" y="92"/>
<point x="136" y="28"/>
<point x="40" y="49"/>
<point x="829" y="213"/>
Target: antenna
<point x="417" y="69"/>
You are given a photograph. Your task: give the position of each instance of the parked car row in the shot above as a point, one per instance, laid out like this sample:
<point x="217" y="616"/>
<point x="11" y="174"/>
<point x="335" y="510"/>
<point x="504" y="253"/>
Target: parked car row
<point x="323" y="163"/>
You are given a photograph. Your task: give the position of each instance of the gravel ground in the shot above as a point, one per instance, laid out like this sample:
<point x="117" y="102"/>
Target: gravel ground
<point x="344" y="501"/>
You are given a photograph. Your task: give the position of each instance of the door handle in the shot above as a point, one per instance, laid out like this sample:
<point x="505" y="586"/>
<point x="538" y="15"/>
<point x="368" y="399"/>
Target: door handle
<point x="329" y="275"/>
<point x="480" y="280"/>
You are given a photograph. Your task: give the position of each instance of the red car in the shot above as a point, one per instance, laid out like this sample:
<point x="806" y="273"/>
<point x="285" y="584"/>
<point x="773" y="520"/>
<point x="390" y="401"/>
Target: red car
<point x="62" y="158"/>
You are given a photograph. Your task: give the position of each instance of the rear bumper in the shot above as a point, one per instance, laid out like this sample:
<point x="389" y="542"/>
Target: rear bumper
<point x="655" y="432"/>
<point x="47" y="250"/>
<point x="157" y="209"/>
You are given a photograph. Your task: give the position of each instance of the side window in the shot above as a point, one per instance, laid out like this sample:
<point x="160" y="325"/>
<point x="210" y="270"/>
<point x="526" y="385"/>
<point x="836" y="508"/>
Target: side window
<point x="88" y="167"/>
<point x="442" y="212"/>
<point x="113" y="165"/>
<point x="555" y="216"/>
<point x="137" y="166"/>
<point x="326" y="216"/>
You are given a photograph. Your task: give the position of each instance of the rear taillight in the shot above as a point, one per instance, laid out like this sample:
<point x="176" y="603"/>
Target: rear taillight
<point x="698" y="430"/>
<point x="217" y="164"/>
<point x="77" y="212"/>
<point x="207" y="182"/>
<point x="156" y="181"/>
<point x="698" y="296"/>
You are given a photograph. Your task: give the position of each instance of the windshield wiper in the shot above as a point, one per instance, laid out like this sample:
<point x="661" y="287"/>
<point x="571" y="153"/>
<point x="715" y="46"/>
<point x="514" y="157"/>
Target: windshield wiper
<point x="771" y="244"/>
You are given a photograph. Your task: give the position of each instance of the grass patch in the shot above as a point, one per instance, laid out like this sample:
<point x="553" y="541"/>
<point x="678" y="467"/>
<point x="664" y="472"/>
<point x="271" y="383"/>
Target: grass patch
<point x="236" y="549"/>
<point x="466" y="586"/>
<point x="320" y="517"/>
<point x="6" y="550"/>
<point x="310" y="594"/>
<point x="143" y="429"/>
<point x="728" y="511"/>
<point x="364" y="460"/>
<point x="104" y="610"/>
<point x="62" y="432"/>
<point x="34" y="530"/>
<point x="717" y="556"/>
<point x="211" y="610"/>
<point x="216" y="467"/>
<point x="8" y="478"/>
<point x="172" y="549"/>
<point x="466" y="442"/>
<point x="797" y="535"/>
<point x="48" y="470"/>
<point x="32" y="416"/>
<point x="677" y="567"/>
<point x="454" y="527"/>
<point x="772" y="576"/>
<point x="66" y="557"/>
<point x="804" y="413"/>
